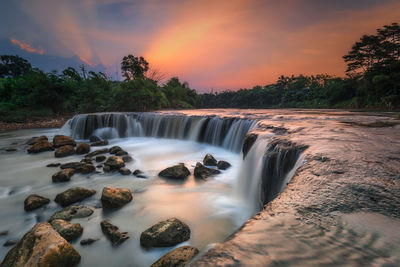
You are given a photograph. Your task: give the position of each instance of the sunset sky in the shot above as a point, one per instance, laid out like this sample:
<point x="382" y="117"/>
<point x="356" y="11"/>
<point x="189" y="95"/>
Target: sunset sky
<point x="209" y="43"/>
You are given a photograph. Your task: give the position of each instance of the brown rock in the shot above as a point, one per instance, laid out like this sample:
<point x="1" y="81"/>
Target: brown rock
<point x="178" y="257"/>
<point x="64" y="151"/>
<point x="115" y="163"/>
<point x="34" y="201"/>
<point x="36" y="139"/>
<point x="40" y="147"/>
<point x="223" y="165"/>
<point x="209" y="160"/>
<point x="73" y="195"/>
<point x="62" y="140"/>
<point x="42" y="246"/>
<point x="175" y="172"/>
<point x="115" y="149"/>
<point x="112" y="233"/>
<point x="69" y="231"/>
<point x="201" y="171"/>
<point x="63" y="176"/>
<point x="97" y="152"/>
<point x="100" y="158"/>
<point x="72" y="212"/>
<point x="115" y="197"/>
<point x="82" y="149"/>
<point x="127" y="158"/>
<point x="125" y="171"/>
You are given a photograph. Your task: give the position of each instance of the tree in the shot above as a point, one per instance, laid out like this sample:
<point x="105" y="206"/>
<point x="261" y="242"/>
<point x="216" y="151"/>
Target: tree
<point x="134" y="67"/>
<point x="13" y="66"/>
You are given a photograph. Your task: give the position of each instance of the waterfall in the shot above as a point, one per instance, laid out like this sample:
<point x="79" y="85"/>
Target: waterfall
<point x="225" y="132"/>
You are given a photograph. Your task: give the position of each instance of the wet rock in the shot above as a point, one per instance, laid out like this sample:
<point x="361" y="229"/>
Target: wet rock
<point x="178" y="257"/>
<point x="63" y="176"/>
<point x="40" y="147"/>
<point x="176" y="172"/>
<point x="34" y="201"/>
<point x="53" y="165"/>
<point x="79" y="167"/>
<point x="127" y="158"/>
<point x="139" y="174"/>
<point x="165" y="234"/>
<point x="71" y="165"/>
<point x="99" y="143"/>
<point x="86" y="168"/>
<point x="69" y="231"/>
<point x="115" y="149"/>
<point x="82" y="149"/>
<point x="11" y="149"/>
<point x="94" y="138"/>
<point x="121" y="153"/>
<point x="10" y="242"/>
<point x="125" y="171"/>
<point x="115" y="197"/>
<point x="42" y="246"/>
<point x="64" y="151"/>
<point x="36" y="139"/>
<point x="112" y="233"/>
<point x="72" y="212"/>
<point x="223" y="165"/>
<point x="201" y="171"/>
<point x="72" y="195"/>
<point x="62" y="140"/>
<point x="99" y="166"/>
<point x="115" y="163"/>
<point x="100" y="158"/>
<point x="98" y="152"/>
<point x="87" y="160"/>
<point x="4" y="233"/>
<point x="106" y="169"/>
<point x="209" y="160"/>
<point x="88" y="241"/>
<point x="248" y="142"/>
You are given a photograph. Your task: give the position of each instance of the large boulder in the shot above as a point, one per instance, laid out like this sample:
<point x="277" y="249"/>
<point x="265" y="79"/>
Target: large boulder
<point x="115" y="197"/>
<point x="63" y="176"/>
<point x="64" y="151"/>
<point x="165" y="234"/>
<point x="248" y="142"/>
<point x="115" y="162"/>
<point x="69" y="231"/>
<point x="62" y="140"/>
<point x="73" y="195"/>
<point x="178" y="257"/>
<point x="34" y="201"/>
<point x="42" y="246"/>
<point x="209" y="160"/>
<point x="201" y="171"/>
<point x="176" y="172"/>
<point x="36" y="139"/>
<point x="98" y="152"/>
<point x="223" y="165"/>
<point x="41" y="146"/>
<point x="112" y="233"/>
<point x="72" y="212"/>
<point x="82" y="149"/>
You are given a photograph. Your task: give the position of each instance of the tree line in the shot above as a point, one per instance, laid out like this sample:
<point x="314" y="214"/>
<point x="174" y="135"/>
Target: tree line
<point x="372" y="81"/>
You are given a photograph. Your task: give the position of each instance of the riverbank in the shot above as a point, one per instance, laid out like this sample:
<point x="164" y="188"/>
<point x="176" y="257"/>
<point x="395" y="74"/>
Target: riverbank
<point x="53" y="122"/>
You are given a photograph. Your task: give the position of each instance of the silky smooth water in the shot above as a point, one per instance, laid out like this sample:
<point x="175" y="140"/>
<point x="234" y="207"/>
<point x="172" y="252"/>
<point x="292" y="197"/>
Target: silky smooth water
<point x="209" y="206"/>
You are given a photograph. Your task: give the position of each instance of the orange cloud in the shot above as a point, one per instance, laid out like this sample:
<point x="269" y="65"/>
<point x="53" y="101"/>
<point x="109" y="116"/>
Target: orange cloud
<point x="27" y="47"/>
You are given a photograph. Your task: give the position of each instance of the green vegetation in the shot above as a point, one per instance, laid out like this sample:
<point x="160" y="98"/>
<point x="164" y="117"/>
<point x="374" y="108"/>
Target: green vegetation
<point x="373" y="81"/>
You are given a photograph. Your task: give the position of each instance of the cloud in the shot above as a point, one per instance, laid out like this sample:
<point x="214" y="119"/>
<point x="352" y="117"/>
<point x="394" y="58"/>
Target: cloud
<point x="27" y="47"/>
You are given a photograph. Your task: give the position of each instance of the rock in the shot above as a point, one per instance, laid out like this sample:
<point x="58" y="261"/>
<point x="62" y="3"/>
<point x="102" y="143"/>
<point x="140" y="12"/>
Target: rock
<point x="115" y="163"/>
<point x="36" y="139"/>
<point x="63" y="176"/>
<point x="73" y="195"/>
<point x="100" y="158"/>
<point x="64" y="151"/>
<point x="94" y="138"/>
<point x="248" y="142"/>
<point x="178" y="257"/>
<point x="62" y="140"/>
<point x="79" y="167"/>
<point x="98" y="152"/>
<point x="82" y="149"/>
<point x="177" y="172"/>
<point x="99" y="166"/>
<point x="112" y="233"/>
<point x="72" y="212"/>
<point x="69" y="231"/>
<point x="127" y="158"/>
<point x="88" y="241"/>
<point x="115" y="149"/>
<point x="125" y="171"/>
<point x="42" y="246"/>
<point x="53" y="165"/>
<point x="139" y="174"/>
<point x="201" y="171"/>
<point x="121" y="153"/>
<point x="209" y="160"/>
<point x="40" y="147"/>
<point x="165" y="234"/>
<point x="87" y="160"/>
<point x="33" y="202"/>
<point x="71" y="165"/>
<point x="99" y="143"/>
<point x="223" y="165"/>
<point x="11" y="149"/>
<point x="106" y="169"/>
<point x="115" y="197"/>
<point x="4" y="233"/>
<point x="86" y="168"/>
<point x="10" y="242"/>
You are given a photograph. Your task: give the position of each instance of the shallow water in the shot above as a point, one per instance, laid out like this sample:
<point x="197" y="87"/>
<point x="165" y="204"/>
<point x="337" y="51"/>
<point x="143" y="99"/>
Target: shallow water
<point x="208" y="207"/>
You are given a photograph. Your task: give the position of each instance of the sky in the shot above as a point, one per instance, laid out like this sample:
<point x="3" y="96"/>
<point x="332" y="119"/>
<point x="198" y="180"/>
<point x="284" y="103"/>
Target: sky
<point x="212" y="44"/>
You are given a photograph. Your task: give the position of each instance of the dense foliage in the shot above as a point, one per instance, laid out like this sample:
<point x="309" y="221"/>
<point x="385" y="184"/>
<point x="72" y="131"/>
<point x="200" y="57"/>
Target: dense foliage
<point x="373" y="81"/>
